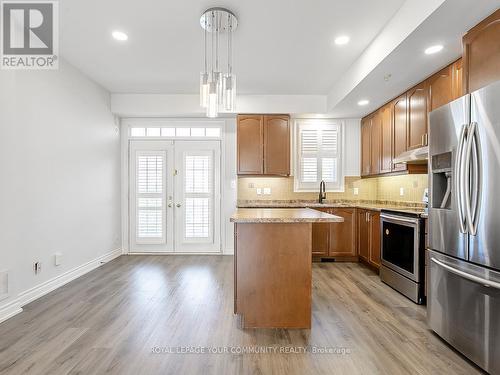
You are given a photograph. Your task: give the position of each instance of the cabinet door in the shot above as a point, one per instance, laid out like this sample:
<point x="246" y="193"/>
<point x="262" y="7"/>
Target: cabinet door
<point x="400" y="139"/>
<point x="376" y="143"/>
<point x="250" y="135"/>
<point x="440" y="87"/>
<point x="366" y="125"/>
<point x="386" y="139"/>
<point x="277" y="145"/>
<point x="481" y="53"/>
<point x="457" y="74"/>
<point x="343" y="235"/>
<point x="417" y="116"/>
<point x="363" y="234"/>
<point x="374" y="229"/>
<point x="320" y="239"/>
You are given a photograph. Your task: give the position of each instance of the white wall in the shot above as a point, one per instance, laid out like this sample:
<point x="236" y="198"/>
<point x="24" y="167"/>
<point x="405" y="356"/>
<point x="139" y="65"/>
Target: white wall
<point x="352" y="147"/>
<point x="60" y="179"/>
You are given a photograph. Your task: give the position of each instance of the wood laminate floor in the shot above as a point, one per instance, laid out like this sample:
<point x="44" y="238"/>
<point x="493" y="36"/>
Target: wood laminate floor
<point x="114" y="318"/>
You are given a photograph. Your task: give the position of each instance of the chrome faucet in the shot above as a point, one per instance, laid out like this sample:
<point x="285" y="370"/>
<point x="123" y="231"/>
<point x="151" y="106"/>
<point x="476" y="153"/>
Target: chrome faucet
<point x="322" y="191"/>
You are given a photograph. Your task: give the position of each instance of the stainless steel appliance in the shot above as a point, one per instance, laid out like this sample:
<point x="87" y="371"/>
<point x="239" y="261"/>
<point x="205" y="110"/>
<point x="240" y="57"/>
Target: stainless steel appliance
<point x="464" y="225"/>
<point x="403" y="253"/>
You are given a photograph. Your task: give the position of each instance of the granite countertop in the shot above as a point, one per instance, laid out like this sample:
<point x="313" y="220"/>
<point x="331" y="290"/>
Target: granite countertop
<point x="418" y="209"/>
<point x="282" y="215"/>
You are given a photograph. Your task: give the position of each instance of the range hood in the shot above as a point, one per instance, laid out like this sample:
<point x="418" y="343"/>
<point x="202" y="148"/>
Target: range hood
<point x="416" y="156"/>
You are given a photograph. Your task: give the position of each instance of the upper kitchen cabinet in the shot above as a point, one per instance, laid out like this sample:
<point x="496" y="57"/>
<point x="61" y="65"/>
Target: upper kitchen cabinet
<point x="457" y="84"/>
<point x="481" y="60"/>
<point x="440" y="87"/>
<point x="386" y="138"/>
<point x="263" y="145"/>
<point x="366" y="132"/>
<point x="376" y="143"/>
<point x="417" y="116"/>
<point x="277" y="145"/>
<point x="399" y="137"/>
<point x="250" y="134"/>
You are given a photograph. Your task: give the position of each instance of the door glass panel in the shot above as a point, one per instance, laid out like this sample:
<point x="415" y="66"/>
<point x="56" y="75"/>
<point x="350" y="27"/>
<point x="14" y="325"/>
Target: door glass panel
<point x="398" y="245"/>
<point x="197" y="217"/>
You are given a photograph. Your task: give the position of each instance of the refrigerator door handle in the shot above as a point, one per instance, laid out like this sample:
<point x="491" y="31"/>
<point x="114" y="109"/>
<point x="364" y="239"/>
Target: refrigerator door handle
<point x="476" y="180"/>
<point x="471" y="179"/>
<point x="459" y="179"/>
<point x="468" y="276"/>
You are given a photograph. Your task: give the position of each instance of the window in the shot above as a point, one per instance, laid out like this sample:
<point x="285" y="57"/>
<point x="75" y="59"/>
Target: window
<point x="176" y="132"/>
<point x="318" y="156"/>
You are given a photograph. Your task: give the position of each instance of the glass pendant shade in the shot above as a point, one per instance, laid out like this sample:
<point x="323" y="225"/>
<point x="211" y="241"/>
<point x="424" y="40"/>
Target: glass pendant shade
<point x="229" y="92"/>
<point x="213" y="100"/>
<point x="204" y="88"/>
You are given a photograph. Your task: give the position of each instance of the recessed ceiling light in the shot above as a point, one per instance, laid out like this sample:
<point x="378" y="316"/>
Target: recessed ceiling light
<point x="433" y="49"/>
<point x="120" y="35"/>
<point x="363" y="102"/>
<point x="341" y="40"/>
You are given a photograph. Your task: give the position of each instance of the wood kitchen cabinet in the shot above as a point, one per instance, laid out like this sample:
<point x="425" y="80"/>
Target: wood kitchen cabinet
<point x="336" y="240"/>
<point x="399" y="136"/>
<point x="277" y="145"/>
<point x="376" y="143"/>
<point x="481" y="59"/>
<point x="440" y="87"/>
<point x="369" y="237"/>
<point x="343" y="235"/>
<point x="386" y="139"/>
<point x="250" y="144"/>
<point x="457" y="74"/>
<point x="263" y="143"/>
<point x="417" y="116"/>
<point x="366" y="130"/>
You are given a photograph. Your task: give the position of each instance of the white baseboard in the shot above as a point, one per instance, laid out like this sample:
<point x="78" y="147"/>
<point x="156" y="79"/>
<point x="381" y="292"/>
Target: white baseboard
<point x="23" y="298"/>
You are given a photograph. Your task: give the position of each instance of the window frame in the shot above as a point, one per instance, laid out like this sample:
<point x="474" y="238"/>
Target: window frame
<point x="302" y="187"/>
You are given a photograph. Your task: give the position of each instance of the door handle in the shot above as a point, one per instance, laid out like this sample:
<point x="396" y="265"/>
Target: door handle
<point x="459" y="180"/>
<point x="471" y="199"/>
<point x="178" y="205"/>
<point x="468" y="276"/>
<point x="169" y="204"/>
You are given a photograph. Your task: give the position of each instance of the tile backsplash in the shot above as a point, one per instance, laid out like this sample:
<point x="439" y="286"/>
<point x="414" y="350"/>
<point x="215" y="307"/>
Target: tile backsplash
<point x="387" y="188"/>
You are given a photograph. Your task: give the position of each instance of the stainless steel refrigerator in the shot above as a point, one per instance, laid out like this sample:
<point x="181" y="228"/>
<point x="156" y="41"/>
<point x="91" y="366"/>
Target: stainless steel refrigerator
<point x="463" y="261"/>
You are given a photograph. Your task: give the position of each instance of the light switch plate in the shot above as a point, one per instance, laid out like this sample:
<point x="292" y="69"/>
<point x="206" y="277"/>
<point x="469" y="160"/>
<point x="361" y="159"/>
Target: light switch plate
<point x="57" y="259"/>
<point x="259" y="191"/>
<point x="356" y="191"/>
<point x="267" y="191"/>
<point x="233" y="184"/>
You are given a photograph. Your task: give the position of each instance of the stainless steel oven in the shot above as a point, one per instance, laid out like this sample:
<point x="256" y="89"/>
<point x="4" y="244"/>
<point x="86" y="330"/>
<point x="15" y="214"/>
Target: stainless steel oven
<point x="403" y="255"/>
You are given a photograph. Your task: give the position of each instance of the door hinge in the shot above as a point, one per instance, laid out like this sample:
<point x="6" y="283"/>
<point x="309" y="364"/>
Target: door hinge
<point x="175" y="172"/>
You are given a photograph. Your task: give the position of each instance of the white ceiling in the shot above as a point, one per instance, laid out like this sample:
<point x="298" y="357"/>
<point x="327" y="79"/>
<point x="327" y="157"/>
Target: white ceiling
<point x="281" y="46"/>
<point x="285" y="57"/>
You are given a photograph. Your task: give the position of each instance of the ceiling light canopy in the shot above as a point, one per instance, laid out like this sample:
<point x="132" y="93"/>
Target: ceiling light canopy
<point x="341" y="40"/>
<point x="363" y="102"/>
<point x="217" y="80"/>
<point x="433" y="49"/>
<point x="119" y="35"/>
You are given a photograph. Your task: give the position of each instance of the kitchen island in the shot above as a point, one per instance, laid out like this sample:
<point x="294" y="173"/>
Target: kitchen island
<point x="272" y="265"/>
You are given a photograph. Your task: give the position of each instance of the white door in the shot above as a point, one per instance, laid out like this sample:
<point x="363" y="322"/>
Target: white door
<point x="175" y="196"/>
<point x="151" y="194"/>
<point x="197" y="196"/>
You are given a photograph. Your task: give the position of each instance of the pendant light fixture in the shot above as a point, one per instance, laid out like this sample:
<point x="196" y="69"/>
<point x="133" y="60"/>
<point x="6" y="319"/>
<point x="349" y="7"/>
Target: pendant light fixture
<point x="218" y="87"/>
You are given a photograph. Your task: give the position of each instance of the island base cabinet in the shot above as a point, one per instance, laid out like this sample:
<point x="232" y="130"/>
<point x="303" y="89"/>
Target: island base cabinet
<point x="273" y="275"/>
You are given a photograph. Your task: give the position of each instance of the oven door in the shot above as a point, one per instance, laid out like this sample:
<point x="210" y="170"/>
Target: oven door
<point x="400" y="245"/>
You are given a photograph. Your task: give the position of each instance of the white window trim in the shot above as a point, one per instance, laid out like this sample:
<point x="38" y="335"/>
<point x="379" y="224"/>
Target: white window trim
<point x="296" y="155"/>
<point x="130" y="123"/>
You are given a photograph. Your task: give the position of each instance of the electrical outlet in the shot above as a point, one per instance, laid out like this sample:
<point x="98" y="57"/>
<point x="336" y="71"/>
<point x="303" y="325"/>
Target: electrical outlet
<point x="259" y="191"/>
<point x="401" y="191"/>
<point x="37" y="267"/>
<point x="355" y="191"/>
<point x="251" y="185"/>
<point x="267" y="191"/>
<point x="4" y="284"/>
<point x="57" y="259"/>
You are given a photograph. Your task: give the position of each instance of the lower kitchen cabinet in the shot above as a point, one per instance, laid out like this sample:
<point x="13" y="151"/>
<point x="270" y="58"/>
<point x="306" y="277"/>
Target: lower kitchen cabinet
<point x="368" y="235"/>
<point x="343" y="235"/>
<point x="335" y="239"/>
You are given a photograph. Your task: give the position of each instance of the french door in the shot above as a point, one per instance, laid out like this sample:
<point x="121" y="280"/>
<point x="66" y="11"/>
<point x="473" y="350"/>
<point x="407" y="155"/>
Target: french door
<point x="174" y="196"/>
